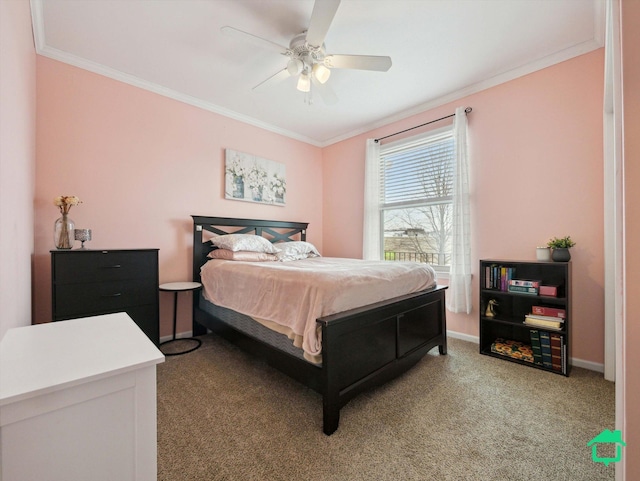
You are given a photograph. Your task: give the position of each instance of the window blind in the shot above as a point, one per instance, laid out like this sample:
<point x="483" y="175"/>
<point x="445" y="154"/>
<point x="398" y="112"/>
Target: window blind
<point x="417" y="172"/>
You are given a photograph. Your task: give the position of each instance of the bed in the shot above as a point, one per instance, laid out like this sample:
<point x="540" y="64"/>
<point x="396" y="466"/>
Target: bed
<point x="361" y="347"/>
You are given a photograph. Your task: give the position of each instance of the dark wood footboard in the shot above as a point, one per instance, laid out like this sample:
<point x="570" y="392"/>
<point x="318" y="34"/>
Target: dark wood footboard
<point x="361" y="348"/>
<point x="366" y="347"/>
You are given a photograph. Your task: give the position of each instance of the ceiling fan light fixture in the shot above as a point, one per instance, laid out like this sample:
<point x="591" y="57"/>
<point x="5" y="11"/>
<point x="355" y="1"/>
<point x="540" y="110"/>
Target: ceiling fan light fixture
<point x="321" y="73"/>
<point x="304" y="83"/>
<point x="294" y="66"/>
<point x="307" y="58"/>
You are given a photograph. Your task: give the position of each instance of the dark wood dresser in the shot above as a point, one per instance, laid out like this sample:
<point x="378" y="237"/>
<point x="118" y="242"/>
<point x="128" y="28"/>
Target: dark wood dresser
<point x="93" y="282"/>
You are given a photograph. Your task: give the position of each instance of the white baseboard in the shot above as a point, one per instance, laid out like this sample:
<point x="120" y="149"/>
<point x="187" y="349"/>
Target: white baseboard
<point x="591" y="366"/>
<point x="464" y="337"/>
<point x="179" y="335"/>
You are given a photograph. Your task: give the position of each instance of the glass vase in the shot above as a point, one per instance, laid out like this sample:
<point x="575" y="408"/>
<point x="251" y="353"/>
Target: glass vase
<point x="63" y="236"/>
<point x="238" y="187"/>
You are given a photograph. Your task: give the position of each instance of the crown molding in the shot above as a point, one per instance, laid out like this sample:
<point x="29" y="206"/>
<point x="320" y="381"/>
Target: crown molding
<point x="100" y="69"/>
<point x="521" y="71"/>
<point x="512" y="74"/>
<point x="43" y="49"/>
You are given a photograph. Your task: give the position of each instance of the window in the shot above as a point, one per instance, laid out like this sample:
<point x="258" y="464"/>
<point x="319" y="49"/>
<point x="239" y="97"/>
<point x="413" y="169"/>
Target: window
<point x="416" y="187"/>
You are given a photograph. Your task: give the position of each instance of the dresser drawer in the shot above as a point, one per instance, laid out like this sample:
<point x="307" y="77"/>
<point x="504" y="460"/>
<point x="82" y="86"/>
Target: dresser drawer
<point x="90" y="297"/>
<point x="95" y="266"/>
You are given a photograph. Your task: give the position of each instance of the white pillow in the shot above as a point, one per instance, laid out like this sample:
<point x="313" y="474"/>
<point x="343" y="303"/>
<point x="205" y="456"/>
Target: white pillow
<point x="245" y="256"/>
<point x="293" y="251"/>
<point x="244" y="242"/>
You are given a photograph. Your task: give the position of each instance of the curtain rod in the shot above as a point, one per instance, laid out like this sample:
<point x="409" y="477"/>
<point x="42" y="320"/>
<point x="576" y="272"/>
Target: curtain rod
<point x="466" y="111"/>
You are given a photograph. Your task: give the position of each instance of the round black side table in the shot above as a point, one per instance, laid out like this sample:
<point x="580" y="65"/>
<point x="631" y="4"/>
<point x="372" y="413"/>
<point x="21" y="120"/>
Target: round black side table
<point x="176" y="288"/>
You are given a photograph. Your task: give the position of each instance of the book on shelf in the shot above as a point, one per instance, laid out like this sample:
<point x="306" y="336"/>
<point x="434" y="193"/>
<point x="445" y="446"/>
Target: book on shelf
<point x="556" y="351"/>
<point x="535" y="346"/>
<point x="548" y="311"/>
<point x="553" y="323"/>
<point x="545" y="318"/>
<point x="505" y="275"/>
<point x="524" y="283"/>
<point x="542" y="326"/>
<point x="523" y="290"/>
<point x="545" y="349"/>
<point x="497" y="277"/>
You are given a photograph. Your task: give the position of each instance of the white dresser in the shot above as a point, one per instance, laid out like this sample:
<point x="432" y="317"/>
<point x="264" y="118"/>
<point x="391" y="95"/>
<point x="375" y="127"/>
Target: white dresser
<point x="78" y="401"/>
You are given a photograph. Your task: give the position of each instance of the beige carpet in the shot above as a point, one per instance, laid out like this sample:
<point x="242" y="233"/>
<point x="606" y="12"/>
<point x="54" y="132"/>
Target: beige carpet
<point x="223" y="415"/>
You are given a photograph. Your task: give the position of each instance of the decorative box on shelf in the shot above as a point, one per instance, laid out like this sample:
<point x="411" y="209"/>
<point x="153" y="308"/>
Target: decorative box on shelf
<point x="549" y="291"/>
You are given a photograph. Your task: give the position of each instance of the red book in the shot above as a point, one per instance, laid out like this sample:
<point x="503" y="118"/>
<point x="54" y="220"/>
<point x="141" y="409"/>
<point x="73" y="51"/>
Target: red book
<point x="551" y="291"/>
<point x="548" y="311"/>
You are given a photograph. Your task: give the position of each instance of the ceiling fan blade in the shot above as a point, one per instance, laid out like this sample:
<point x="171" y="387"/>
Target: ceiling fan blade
<point x="359" y="62"/>
<point x="329" y="97"/>
<point x="321" y="18"/>
<point x="278" y="76"/>
<point x="254" y="39"/>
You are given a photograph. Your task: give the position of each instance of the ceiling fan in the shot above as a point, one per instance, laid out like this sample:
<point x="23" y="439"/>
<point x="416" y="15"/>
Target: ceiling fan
<point x="308" y="59"/>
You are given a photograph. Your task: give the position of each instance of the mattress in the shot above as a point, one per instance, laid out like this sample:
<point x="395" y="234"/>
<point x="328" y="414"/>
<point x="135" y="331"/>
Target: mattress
<point x="289" y="296"/>
<point x="252" y="328"/>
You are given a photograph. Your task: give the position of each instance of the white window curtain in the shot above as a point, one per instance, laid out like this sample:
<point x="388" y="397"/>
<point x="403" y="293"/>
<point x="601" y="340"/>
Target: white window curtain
<point x="459" y="295"/>
<point x="371" y="247"/>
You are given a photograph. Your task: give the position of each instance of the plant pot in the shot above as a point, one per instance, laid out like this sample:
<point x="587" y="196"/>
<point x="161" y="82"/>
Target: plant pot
<point x="561" y="254"/>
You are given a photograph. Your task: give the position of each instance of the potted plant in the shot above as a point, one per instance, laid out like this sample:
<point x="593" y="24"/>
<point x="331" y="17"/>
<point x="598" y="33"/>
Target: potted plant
<point x="561" y="248"/>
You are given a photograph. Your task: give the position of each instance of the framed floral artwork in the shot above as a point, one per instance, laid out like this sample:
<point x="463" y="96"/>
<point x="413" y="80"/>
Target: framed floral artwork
<point x="254" y="179"/>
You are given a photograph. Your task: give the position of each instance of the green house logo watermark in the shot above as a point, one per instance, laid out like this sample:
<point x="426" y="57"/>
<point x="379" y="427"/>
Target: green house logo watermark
<point x="612" y="439"/>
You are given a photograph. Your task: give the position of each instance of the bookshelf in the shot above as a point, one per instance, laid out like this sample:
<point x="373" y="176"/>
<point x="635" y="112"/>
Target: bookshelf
<point x="536" y="292"/>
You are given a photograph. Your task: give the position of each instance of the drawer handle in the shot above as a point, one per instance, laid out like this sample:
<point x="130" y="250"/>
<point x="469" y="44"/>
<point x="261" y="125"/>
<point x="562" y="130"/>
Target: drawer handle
<point x="115" y="266"/>
<point x="117" y="294"/>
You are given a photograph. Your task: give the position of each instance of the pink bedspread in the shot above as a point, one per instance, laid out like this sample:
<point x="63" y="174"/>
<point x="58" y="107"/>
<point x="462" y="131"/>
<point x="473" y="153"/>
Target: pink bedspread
<point x="295" y="294"/>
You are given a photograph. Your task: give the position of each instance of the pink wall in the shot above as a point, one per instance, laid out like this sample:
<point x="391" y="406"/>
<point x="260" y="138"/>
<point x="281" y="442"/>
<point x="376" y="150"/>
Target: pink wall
<point x="17" y="162"/>
<point x="536" y="172"/>
<point x="142" y="164"/>
<point x="631" y="98"/>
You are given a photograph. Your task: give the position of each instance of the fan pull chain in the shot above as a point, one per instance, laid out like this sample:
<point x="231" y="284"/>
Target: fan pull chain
<point x="308" y="97"/>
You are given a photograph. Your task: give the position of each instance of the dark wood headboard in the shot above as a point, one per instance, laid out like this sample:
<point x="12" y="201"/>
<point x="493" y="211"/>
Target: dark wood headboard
<point x="273" y="230"/>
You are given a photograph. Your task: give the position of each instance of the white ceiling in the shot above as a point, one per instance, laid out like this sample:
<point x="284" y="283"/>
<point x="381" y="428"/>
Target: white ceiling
<point x="441" y="50"/>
